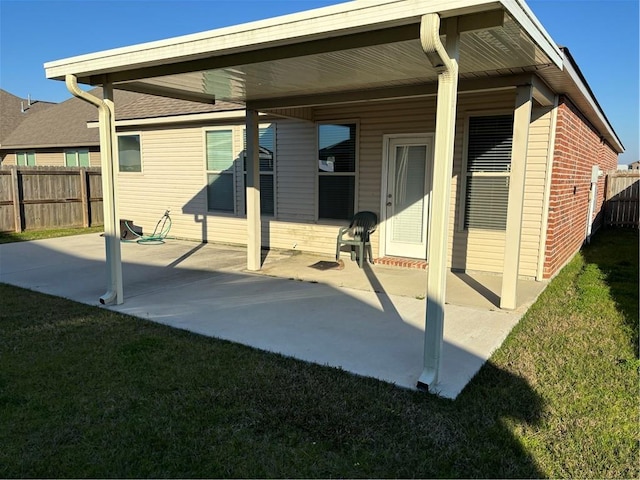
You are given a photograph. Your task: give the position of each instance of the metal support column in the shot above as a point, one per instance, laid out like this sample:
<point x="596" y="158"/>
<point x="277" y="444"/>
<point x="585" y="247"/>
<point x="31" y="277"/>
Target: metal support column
<point x="254" y="233"/>
<point x="445" y="61"/>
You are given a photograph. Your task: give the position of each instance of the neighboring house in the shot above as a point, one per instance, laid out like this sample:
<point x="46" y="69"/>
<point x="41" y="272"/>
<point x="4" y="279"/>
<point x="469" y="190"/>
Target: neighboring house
<point x="13" y="112"/>
<point x="479" y="153"/>
<point x="634" y="165"/>
<point x="57" y="135"/>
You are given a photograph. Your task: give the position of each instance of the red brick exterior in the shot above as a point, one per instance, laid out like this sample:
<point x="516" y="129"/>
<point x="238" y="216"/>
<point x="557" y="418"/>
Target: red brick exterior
<point x="577" y="148"/>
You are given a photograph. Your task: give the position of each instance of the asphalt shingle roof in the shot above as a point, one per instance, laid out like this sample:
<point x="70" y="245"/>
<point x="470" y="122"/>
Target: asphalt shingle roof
<point x="65" y="124"/>
<point x="152" y="106"/>
<point x="11" y="114"/>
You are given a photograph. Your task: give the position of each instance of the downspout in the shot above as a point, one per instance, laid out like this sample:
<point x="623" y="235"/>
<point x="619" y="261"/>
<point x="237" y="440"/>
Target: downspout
<point x="114" y="292"/>
<point x="445" y="61"/>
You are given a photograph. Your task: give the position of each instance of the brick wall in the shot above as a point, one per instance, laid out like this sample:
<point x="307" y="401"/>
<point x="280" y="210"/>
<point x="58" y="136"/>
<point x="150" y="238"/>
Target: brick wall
<point x="577" y="149"/>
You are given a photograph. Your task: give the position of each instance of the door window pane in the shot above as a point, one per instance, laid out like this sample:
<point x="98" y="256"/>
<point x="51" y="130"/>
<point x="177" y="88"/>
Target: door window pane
<point x="408" y="205"/>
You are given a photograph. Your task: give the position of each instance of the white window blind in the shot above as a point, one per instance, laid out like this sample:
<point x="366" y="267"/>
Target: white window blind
<point x="220" y="190"/>
<point x="489" y="144"/>
<point x="267" y="154"/>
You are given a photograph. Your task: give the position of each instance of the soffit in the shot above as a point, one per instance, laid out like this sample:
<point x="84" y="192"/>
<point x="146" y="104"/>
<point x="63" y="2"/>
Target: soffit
<point x="494" y="51"/>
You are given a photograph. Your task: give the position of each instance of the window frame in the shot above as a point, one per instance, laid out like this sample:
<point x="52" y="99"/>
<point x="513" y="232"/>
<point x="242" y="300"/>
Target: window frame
<point x="263" y="125"/>
<point x="76" y="152"/>
<point x="354" y="174"/>
<point x="231" y="171"/>
<point x="26" y="154"/>
<point x="465" y="174"/>
<point x="130" y="134"/>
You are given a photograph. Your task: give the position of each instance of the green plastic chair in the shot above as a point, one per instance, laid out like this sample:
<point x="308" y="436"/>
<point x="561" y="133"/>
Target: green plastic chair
<point x="356" y="235"/>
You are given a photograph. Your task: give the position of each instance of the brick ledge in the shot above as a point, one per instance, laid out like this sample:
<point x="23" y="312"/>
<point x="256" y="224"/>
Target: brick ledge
<point x="401" y="262"/>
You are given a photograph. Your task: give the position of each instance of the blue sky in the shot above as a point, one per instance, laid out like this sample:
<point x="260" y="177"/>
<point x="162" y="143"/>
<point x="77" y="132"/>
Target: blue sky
<point x="602" y="36"/>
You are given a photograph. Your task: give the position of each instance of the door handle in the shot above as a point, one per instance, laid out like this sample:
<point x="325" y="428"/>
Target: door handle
<point x="388" y="204"/>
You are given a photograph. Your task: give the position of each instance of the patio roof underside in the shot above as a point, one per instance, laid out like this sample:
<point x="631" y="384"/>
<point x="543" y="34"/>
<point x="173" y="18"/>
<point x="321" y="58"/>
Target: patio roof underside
<point x="373" y="61"/>
<point x="327" y="57"/>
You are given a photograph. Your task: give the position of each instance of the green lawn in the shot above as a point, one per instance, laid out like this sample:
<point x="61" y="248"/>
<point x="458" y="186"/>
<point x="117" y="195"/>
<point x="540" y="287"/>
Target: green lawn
<point x="9" y="237"/>
<point x="85" y="392"/>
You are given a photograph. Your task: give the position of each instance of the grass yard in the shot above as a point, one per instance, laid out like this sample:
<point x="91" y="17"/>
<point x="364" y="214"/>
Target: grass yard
<point x="9" y="237"/>
<point x="85" y="392"/>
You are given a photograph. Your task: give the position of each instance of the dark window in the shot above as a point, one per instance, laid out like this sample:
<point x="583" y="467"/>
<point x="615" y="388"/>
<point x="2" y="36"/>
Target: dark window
<point x="336" y="170"/>
<point x="129" y="157"/>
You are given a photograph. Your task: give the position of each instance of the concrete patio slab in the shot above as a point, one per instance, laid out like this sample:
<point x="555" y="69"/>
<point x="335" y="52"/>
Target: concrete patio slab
<point x="368" y="322"/>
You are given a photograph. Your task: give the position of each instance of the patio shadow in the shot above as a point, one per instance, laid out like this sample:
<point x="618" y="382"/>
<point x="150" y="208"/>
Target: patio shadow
<point x="198" y="290"/>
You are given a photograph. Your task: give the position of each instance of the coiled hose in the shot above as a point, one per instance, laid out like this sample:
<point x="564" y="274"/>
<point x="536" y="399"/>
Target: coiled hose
<point x="159" y="233"/>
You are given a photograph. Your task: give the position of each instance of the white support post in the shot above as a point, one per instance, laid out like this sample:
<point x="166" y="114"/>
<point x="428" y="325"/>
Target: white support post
<point x="109" y="157"/>
<point x="513" y="234"/>
<point x="445" y="61"/>
<point x="254" y="233"/>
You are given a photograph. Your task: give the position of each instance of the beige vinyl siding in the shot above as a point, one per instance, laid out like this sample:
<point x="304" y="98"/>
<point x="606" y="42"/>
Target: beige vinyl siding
<point x="296" y="170"/>
<point x="57" y="158"/>
<point x="302" y="113"/>
<point x="94" y="158"/>
<point x="376" y="119"/>
<point x="474" y="249"/>
<point x="52" y="158"/>
<point x="174" y="177"/>
<point x="537" y="154"/>
<point x="308" y="237"/>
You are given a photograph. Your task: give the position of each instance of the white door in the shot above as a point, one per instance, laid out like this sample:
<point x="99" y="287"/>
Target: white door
<point x="407" y="196"/>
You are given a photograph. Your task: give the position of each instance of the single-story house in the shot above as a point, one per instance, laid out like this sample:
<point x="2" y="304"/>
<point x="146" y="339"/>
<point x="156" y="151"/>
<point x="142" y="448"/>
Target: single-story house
<point x="13" y="112"/>
<point x="56" y="136"/>
<point x="471" y="134"/>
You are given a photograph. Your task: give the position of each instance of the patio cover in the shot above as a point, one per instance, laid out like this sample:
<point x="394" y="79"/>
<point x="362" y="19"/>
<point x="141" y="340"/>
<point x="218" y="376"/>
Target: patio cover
<point x="355" y="51"/>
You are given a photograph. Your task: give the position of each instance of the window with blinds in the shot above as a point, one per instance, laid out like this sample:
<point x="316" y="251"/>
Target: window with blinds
<point x="26" y="159"/>
<point x="336" y="171"/>
<point x="488" y="160"/>
<point x="76" y="158"/>
<point x="267" y="144"/>
<point x="220" y="184"/>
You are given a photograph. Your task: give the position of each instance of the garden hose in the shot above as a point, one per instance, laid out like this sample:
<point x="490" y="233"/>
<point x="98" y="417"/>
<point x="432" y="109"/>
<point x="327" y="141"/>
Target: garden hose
<point x="159" y="233"/>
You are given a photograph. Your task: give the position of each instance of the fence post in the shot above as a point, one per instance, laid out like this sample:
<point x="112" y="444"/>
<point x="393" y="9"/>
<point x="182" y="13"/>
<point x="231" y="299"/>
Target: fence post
<point x="15" y="194"/>
<point x="85" y="197"/>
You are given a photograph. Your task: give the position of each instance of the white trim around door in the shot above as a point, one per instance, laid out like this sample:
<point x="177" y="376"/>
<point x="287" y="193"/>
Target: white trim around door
<point x="405" y="194"/>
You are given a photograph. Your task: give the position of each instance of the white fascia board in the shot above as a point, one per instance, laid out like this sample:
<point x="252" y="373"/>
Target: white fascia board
<point x="522" y="14"/>
<point x="327" y="22"/>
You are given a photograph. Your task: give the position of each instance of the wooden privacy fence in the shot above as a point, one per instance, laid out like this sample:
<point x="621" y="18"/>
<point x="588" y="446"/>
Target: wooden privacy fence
<point x="35" y="198"/>
<point x="622" y="203"/>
